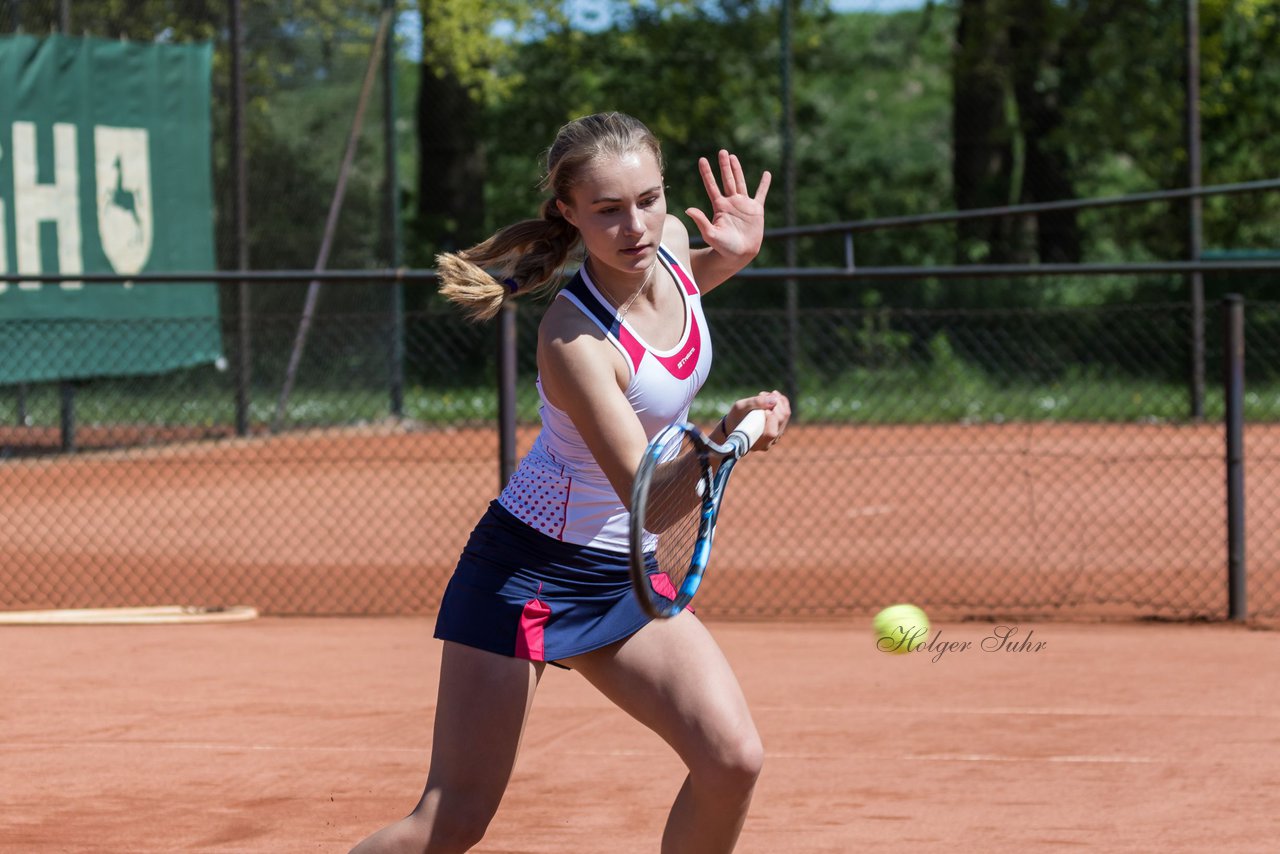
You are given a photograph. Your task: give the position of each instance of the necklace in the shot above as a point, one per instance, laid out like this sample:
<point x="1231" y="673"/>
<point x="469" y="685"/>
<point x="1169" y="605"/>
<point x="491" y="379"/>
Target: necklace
<point x="648" y="277"/>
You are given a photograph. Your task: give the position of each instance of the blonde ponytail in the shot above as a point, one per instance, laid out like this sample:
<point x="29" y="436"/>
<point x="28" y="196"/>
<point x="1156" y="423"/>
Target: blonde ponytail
<point x="528" y="256"/>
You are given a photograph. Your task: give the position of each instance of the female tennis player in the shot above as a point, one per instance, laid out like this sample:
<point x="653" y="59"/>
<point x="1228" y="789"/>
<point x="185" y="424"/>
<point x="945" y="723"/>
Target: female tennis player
<point x="622" y="350"/>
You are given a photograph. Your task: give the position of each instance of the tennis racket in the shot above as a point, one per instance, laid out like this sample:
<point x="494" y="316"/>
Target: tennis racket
<point x="676" y="498"/>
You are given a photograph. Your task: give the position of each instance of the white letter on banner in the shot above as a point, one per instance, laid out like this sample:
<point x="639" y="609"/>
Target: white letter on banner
<point x="34" y="203"/>
<point x="125" y="220"/>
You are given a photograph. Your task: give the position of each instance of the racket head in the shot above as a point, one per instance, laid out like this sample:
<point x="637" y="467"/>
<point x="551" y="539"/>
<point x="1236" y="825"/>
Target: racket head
<point x="672" y="518"/>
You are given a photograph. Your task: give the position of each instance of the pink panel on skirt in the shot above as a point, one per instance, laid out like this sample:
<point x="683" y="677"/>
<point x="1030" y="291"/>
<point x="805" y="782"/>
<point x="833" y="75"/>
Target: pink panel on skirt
<point x="529" y="643"/>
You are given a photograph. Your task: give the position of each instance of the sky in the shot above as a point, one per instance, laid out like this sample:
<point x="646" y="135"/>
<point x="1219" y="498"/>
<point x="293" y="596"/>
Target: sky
<point x="587" y="6"/>
<point x="875" y="5"/>
<point x="409" y="25"/>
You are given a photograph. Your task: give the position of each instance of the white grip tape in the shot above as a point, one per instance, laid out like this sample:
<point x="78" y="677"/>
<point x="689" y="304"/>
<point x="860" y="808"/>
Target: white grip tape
<point x="751" y="426"/>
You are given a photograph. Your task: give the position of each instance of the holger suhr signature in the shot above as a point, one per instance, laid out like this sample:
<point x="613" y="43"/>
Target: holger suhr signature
<point x="918" y="639"/>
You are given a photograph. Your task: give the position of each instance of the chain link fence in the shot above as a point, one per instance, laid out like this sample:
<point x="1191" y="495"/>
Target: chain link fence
<point x="1029" y="462"/>
<point x="976" y="459"/>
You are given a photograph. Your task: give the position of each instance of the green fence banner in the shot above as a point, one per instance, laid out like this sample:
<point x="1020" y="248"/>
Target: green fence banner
<point x="104" y="168"/>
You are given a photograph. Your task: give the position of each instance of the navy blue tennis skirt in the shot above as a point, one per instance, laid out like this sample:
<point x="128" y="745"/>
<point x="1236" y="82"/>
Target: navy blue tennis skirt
<point x="520" y="593"/>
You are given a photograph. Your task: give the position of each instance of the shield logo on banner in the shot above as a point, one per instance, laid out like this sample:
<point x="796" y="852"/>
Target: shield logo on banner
<point x="125" y="211"/>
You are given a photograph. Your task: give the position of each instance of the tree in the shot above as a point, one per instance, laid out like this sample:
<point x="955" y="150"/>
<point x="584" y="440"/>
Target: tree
<point x="982" y="139"/>
<point x="701" y="76"/>
<point x="1044" y="87"/>
<point x="463" y="50"/>
<point x="1012" y="86"/>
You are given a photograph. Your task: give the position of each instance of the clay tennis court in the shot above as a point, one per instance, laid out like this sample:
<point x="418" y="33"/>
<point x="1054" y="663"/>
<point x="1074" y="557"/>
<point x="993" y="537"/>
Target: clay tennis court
<point x="306" y="732"/>
<point x="303" y="735"/>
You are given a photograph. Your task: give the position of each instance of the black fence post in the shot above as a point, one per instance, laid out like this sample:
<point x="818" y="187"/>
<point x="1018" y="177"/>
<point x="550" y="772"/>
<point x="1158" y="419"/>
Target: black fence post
<point x="1233" y="312"/>
<point x="1195" y="216"/>
<point x="791" y="380"/>
<point x="240" y="213"/>
<point x="391" y="214"/>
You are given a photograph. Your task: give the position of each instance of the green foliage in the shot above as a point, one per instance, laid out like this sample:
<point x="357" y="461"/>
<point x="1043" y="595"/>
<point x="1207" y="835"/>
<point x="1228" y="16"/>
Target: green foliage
<point x="1240" y="83"/>
<point x="858" y="396"/>
<point x="873" y="98"/>
<point x="691" y="89"/>
<point x="461" y="40"/>
<point x="876" y="127"/>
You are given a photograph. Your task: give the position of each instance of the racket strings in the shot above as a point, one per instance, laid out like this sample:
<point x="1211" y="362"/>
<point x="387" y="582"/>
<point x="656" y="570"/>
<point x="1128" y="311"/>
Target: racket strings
<point x="675" y="505"/>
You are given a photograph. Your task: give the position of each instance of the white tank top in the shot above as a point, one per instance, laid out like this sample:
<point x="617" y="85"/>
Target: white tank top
<point x="558" y="488"/>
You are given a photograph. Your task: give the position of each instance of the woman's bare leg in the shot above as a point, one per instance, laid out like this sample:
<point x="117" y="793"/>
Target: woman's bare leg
<point x="672" y="677"/>
<point x="484" y="701"/>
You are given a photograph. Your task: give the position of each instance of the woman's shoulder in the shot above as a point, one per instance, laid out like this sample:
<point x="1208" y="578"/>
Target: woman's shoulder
<point x="572" y="344"/>
<point x="563" y="322"/>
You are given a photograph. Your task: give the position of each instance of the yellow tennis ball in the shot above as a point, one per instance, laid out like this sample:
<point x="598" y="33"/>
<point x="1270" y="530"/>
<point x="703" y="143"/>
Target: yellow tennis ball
<point x="900" y="629"/>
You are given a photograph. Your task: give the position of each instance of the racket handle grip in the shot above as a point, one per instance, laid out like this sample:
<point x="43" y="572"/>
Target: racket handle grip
<point x="748" y="431"/>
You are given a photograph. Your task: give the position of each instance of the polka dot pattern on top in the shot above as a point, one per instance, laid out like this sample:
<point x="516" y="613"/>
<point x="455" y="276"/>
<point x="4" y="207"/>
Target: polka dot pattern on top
<point x="540" y="500"/>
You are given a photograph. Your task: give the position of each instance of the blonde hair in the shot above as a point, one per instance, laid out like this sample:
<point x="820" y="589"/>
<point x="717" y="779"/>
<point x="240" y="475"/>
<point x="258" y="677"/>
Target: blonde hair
<point x="529" y="256"/>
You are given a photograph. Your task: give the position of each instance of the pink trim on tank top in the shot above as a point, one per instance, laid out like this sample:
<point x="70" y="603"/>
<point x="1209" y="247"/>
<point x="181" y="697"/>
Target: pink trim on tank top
<point x="634" y="349"/>
<point x="564" y="510"/>
<point x="682" y="363"/>
<point x="689" y="287"/>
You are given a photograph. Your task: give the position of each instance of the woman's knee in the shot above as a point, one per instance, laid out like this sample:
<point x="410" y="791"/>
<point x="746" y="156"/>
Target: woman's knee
<point x="748" y="758"/>
<point x="734" y="765"/>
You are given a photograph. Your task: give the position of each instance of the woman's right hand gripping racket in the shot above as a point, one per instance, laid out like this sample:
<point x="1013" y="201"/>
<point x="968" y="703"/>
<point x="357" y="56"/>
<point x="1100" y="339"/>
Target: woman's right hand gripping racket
<point x="675" y="501"/>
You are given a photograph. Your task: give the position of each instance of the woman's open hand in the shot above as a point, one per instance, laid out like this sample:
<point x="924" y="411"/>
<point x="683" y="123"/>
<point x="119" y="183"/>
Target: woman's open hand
<point x="736" y="226"/>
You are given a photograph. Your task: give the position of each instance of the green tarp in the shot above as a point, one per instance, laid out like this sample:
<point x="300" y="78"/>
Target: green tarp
<point x="104" y="167"/>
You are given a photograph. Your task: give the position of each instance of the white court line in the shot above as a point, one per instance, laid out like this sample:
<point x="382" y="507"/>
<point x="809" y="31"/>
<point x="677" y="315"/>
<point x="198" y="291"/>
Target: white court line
<point x="1082" y="759"/>
<point x="989" y="758"/>
<point x="194" y="745"/>
<point x="873" y="510"/>
<point x="1252" y="714"/>
<point x="419" y="752"/>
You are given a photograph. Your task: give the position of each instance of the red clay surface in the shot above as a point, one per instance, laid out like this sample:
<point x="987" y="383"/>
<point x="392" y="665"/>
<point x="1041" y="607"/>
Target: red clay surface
<point x="303" y="735"/>
<point x="1046" y="520"/>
